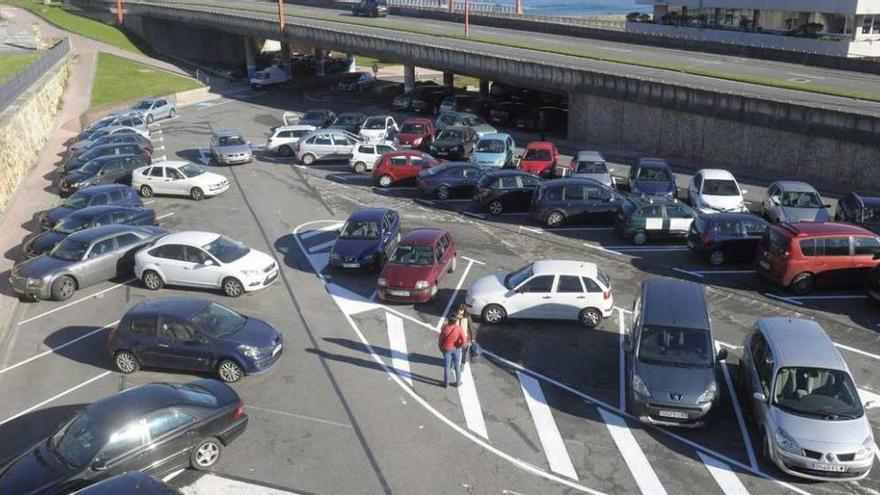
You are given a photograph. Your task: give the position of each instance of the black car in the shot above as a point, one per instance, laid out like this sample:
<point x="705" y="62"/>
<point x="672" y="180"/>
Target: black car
<point x="454" y="143"/>
<point x="572" y="201"/>
<point x="480" y="105"/>
<point x="504" y="113"/>
<point x="350" y="121"/>
<point x="132" y="483"/>
<point x="722" y="237"/>
<point x="319" y="118"/>
<point x="91" y="216"/>
<point x="543" y="119"/>
<point x="404" y="101"/>
<point x="862" y="209"/>
<point x="505" y="190"/>
<point x="156" y="428"/>
<point x="78" y="161"/>
<point x="370" y="8"/>
<point x="119" y="138"/>
<point x="111" y="194"/>
<point x="428" y="102"/>
<point x="449" y="179"/>
<point x="113" y="169"/>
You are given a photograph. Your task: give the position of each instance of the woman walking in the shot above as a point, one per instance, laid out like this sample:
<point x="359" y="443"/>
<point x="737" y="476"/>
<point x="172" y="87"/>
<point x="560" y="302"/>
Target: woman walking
<point x="451" y="342"/>
<point x="469" y="331"/>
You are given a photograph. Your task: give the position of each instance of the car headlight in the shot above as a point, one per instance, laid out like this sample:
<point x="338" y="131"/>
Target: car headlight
<point x="708" y="395"/>
<point x="639" y="386"/>
<point x="249" y="351"/>
<point x="867" y="448"/>
<point x="251" y="273"/>
<point x="788" y="444"/>
<point x="382" y="282"/>
<point x="417" y="142"/>
<point x="421" y="284"/>
<point x="368" y="257"/>
<point x="34" y="282"/>
<point x="335" y="256"/>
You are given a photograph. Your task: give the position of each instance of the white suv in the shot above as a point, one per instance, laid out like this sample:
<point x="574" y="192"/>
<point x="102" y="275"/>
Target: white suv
<point x="363" y="157"/>
<point x="552" y="289"/>
<point x="284" y="138"/>
<point x="178" y="178"/>
<point x="204" y="259"/>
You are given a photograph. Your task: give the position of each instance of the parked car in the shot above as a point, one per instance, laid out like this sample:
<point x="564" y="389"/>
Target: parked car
<point x="790" y="201"/>
<point x="449" y="179"/>
<point x="420" y="260"/>
<point x="370" y="8"/>
<point x="157" y="428"/>
<point x="540" y="158"/>
<point x="111" y="169"/>
<point x="592" y="165"/>
<point x="75" y="162"/>
<point x="364" y="156"/>
<point x="206" y="260"/>
<point x="804" y="255"/>
<point x="378" y="128"/>
<point x="178" y="178"/>
<point x="652" y="177"/>
<point x="574" y="201"/>
<point x="641" y="219"/>
<point x="319" y="118"/>
<point x="193" y="335"/>
<point x="355" y="81"/>
<point x="367" y="239"/>
<point x="82" y="259"/>
<point x="110" y="194"/>
<point x="671" y="355"/>
<point x="133" y="483"/>
<point x="504" y="113"/>
<point x="229" y="147"/>
<point x="810" y="420"/>
<point x="284" y="138"/>
<point x="454" y="143"/>
<point x="547" y="289"/>
<point x="456" y="119"/>
<point x="862" y="209"/>
<point x="712" y="190"/>
<point x="154" y="109"/>
<point x="91" y="216"/>
<point x="81" y="144"/>
<point x="724" y="237"/>
<point x="456" y="103"/>
<point x="428" y="102"/>
<point x="543" y="119"/>
<point x="480" y="105"/>
<point x="110" y="139"/>
<point x="350" y="122"/>
<point x="505" y="191"/>
<point x="495" y="150"/>
<point x="417" y="133"/>
<point x="401" y="166"/>
<point x="326" y="145"/>
<point x="404" y="101"/>
<point x="126" y="119"/>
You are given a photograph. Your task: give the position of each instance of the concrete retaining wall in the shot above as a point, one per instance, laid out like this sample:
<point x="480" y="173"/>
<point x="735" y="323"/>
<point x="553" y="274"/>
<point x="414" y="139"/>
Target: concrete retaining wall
<point x="25" y="126"/>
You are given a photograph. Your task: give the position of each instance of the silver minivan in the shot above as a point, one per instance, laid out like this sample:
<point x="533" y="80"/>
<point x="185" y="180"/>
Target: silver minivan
<point x="810" y="418"/>
<point x="326" y="144"/>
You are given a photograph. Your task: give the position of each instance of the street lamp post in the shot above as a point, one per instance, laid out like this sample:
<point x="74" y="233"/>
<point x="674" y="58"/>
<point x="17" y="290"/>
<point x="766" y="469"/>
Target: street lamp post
<point x="519" y="9"/>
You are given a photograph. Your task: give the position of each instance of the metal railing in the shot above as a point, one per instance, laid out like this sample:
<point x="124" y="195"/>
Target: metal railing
<point x="458" y="6"/>
<point x="19" y="83"/>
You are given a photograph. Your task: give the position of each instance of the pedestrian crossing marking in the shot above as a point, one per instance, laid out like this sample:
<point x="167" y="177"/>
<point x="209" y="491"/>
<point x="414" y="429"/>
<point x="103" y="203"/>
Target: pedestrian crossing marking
<point x="548" y="432"/>
<point x="397" y="347"/>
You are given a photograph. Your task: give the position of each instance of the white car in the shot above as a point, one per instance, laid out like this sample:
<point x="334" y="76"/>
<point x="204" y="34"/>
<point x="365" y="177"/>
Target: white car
<point x="551" y="289"/>
<point x="206" y="260"/>
<point x="364" y="156"/>
<point x="284" y="138"/>
<point x="178" y="178"/>
<point x="378" y="128"/>
<point x="712" y="190"/>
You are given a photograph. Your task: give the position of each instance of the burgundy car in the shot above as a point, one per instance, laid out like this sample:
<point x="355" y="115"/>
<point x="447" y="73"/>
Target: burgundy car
<point x="413" y="272"/>
<point x="416" y="133"/>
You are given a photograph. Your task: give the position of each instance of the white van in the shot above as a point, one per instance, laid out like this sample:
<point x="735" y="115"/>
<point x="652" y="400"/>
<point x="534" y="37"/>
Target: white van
<point x="270" y="76"/>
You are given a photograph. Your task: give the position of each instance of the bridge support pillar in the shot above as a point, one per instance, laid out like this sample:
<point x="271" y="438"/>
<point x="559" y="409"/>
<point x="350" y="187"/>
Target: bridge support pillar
<point x="250" y="57"/>
<point x="409" y="78"/>
<point x="285" y="56"/>
<point x="484" y="87"/>
<point x="319" y="62"/>
<point x="448" y="79"/>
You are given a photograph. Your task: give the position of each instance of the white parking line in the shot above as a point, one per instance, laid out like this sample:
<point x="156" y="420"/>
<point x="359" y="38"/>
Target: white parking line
<point x="621" y="382"/>
<point x="149" y="202"/>
<point x="160" y="217"/>
<point x="747" y="440"/>
<point x="816" y="298"/>
<point x="695" y="274"/>
<point x="452" y="296"/>
<point x="632" y="454"/>
<point x="600" y="248"/>
<point x="724" y="476"/>
<point x="475" y="215"/>
<point x="783" y="298"/>
<point x="472" y="260"/>
<point x="470" y="402"/>
<point x="322" y="246"/>
<point x="531" y="229"/>
<point x="209" y="484"/>
<point x="65" y="306"/>
<point x="56" y="348"/>
<point x="312" y="233"/>
<point x="55" y="397"/>
<point x="548" y="432"/>
<point x="858" y="351"/>
<point x="397" y="347"/>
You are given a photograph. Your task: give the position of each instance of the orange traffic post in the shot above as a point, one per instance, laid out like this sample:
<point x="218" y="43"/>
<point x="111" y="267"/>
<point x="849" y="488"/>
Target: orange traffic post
<point x="120" y="18"/>
<point x="281" y="15"/>
<point x="467" y="23"/>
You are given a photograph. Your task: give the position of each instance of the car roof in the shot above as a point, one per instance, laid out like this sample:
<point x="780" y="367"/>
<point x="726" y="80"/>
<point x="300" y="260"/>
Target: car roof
<point x="459" y="128"/>
<point x="110" y="157"/>
<point x="379" y="117"/>
<point x="582" y="181"/>
<point x="169" y="163"/>
<point x="407" y="152"/>
<point x="120" y="408"/>
<point x="716" y="174"/>
<point x="422" y="237"/>
<point x="824" y="228"/>
<point x="183" y="307"/>
<point x="324" y="110"/>
<point x="190" y="237"/>
<point x="590" y="155"/>
<point x="95" y="233"/>
<point x="722" y="217"/>
<point x="540" y="144"/>
<point x="795" y="186"/>
<point x="800" y="342"/>
<point x="672" y="303"/>
<point x="369" y="214"/>
<point x="296" y="127"/>
<point x="564" y="267"/>
<point x="226" y="133"/>
<point x="93" y="190"/>
<point x="868" y="199"/>
<point x="418" y="120"/>
<point x="504" y="173"/>
<point x="495" y="135"/>
<point x="90" y="211"/>
<point x="648" y="160"/>
<point x="653" y="200"/>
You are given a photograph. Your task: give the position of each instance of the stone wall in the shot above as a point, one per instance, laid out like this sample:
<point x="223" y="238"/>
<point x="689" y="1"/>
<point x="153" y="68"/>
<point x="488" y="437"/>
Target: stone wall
<point x="25" y="126"/>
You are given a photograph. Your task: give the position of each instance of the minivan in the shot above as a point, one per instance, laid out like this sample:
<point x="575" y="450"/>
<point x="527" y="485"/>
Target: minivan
<point x="671" y="353"/>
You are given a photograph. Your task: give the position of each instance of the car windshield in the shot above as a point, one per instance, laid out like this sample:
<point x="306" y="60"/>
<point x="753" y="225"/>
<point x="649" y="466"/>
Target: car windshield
<point x="449" y="135"/>
<point x="231" y="140"/>
<point x="69" y="250"/>
<point x="360" y="229"/>
<point x="225" y="249"/>
<point x="537" y="154"/>
<point x="71" y="224"/>
<point x="315" y="115"/>
<point x="683" y="347"/>
<point x="655" y="174"/>
<point x="76" y="201"/>
<point x="490" y="146"/>
<point x="191" y="170"/>
<point x="406" y="254"/>
<point x="77" y="442"/>
<point x="413" y="129"/>
<point x="818" y="392"/>
<point x="143" y="105"/>
<point x="871" y="216"/>
<point x="801" y="199"/>
<point x="374" y="123"/>
<point x="712" y="187"/>
<point x="218" y="321"/>
<point x="99" y="135"/>
<point x="515" y="278"/>
<point x="472" y="121"/>
<point x="591" y="168"/>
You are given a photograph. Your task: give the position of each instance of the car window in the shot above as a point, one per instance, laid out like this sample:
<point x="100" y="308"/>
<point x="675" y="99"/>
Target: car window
<point x="762" y="358"/>
<point x="553" y="194"/>
<point x="651" y="211"/>
<point x="124" y="441"/>
<point x="99" y="199"/>
<point x="674" y="211"/>
<point x="162" y="423"/>
<point x="866" y="246"/>
<point x="127" y="239"/>
<point x="573" y="193"/>
<point x="179" y="332"/>
<point x="143" y="325"/>
<point x="398" y="161"/>
<point x="155" y="172"/>
<point x="472" y="172"/>
<point x="728" y="228"/>
<point x="541" y="283"/>
<point x="591" y="284"/>
<point x="341" y="140"/>
<point x="195" y="255"/>
<point x="754" y="227"/>
<point x="808" y="247"/>
<point x="312" y="140"/>
<point x="381" y="148"/>
<point x="506" y="182"/>
<point x="323" y="139"/>
<point x="173" y="174"/>
<point x="417" y="161"/>
<point x="528" y="181"/>
<point x="569" y="283"/>
<point x="596" y="193"/>
<point x="114" y="167"/>
<point x="835" y="246"/>
<point x="366" y="150"/>
<point x="102" y="247"/>
<point x="169" y="252"/>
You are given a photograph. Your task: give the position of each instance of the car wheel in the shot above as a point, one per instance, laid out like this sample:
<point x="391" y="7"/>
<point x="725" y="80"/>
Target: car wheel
<point x="285" y="150"/>
<point x="555" y="219"/>
<point x="146" y="191"/>
<point x="493" y="314"/>
<point x="308" y="159"/>
<point x="172" y="113"/>
<point x="149" y="118"/>
<point x="640" y="237"/>
<point x="152" y="280"/>
<point x="197" y="194"/>
<point x="229" y="371"/>
<point x="443" y="192"/>
<point x="716" y="257"/>
<point x="126" y="362"/>
<point x="62" y="288"/>
<point x="360" y="167"/>
<point x="205" y="454"/>
<point x="453" y="265"/>
<point x="591" y="317"/>
<point x="232" y="287"/>
<point x="385" y="180"/>
<point x="802" y="283"/>
<point x="495" y="207"/>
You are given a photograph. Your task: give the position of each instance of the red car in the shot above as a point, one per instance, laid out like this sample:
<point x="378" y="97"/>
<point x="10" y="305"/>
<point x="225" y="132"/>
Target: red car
<point x="419" y="261"/>
<point x="540" y="158"/>
<point x="401" y="165"/>
<point x="415" y="133"/>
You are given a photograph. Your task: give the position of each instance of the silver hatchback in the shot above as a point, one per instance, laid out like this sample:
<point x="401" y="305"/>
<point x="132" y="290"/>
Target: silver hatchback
<point x="326" y="144"/>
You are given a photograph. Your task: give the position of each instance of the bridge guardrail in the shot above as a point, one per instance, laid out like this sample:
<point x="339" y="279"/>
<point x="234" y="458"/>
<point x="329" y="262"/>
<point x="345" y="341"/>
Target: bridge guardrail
<point x="20" y="82"/>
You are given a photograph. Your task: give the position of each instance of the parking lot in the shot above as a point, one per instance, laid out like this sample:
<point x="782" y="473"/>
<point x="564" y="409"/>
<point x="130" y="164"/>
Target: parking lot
<point x="356" y="404"/>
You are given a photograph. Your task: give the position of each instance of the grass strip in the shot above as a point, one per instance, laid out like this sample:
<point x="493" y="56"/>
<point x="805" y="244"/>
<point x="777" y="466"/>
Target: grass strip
<point x="13" y="63"/>
<point x="119" y="80"/>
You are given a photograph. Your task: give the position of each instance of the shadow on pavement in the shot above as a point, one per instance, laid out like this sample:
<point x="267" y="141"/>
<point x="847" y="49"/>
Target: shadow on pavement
<point x="27" y="430"/>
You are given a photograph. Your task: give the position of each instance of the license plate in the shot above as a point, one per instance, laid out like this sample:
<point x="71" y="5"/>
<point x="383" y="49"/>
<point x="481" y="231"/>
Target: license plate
<point x="351" y="265"/>
<point x="764" y="265"/>
<point x="835" y="468"/>
<point x="399" y="292"/>
<point x="672" y="414"/>
<point x="276" y="350"/>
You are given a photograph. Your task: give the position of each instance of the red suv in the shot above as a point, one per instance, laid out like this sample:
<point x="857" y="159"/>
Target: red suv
<point x="539" y="158"/>
<point x="420" y="260"/>
<point x="803" y="255"/>
<point x="415" y="133"/>
<point x="401" y="165"/>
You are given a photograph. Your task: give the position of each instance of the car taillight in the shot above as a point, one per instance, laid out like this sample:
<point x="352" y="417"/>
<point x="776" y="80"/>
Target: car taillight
<point x="111" y="335"/>
<point x="607" y="294"/>
<point x="705" y="240"/>
<point x="239" y="411"/>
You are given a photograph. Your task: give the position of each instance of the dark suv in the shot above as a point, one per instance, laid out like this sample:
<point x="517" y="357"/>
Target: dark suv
<point x="370" y="8"/>
<point x="103" y="170"/>
<point x="861" y="209"/>
<point x="720" y="237"/>
<point x="572" y="201"/>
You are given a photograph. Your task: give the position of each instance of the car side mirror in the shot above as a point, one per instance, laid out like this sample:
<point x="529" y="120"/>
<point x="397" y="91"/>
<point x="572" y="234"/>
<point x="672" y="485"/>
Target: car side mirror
<point x="774" y="200"/>
<point x="627" y="343"/>
<point x="99" y="465"/>
<point x="208" y="262"/>
<point x="610" y="170"/>
<point x="759" y="396"/>
<point x="722" y="355"/>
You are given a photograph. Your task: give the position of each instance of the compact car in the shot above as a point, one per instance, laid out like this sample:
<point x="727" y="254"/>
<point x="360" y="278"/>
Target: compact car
<point x="75" y="162"/>
<point x="178" y="178"/>
<point x="415" y="268"/>
<point x="110" y="194"/>
<point x="417" y="133"/>
<point x="366" y="239"/>
<point x="111" y="169"/>
<point x="326" y="145"/>
<point x="456" y="119"/>
<point x="370" y="8"/>
<point x="540" y="158"/>
<point x="349" y="121"/>
<point x="401" y="166"/>
<point x="116" y="138"/>
<point x="862" y="209"/>
<point x="364" y="156"/>
<point x="378" y="128"/>
<point x="495" y="150"/>
<point x="641" y="219"/>
<point x="791" y="201"/>
<point x="723" y="237"/>
<point x="229" y="147"/>
<point x="319" y="118"/>
<point x="81" y="144"/>
<point x="652" y="177"/>
<point x="124" y="119"/>
<point x="155" y="108"/>
<point x="454" y="143"/>
<point x="571" y="201"/>
<point x="591" y="165"/>
<point x="505" y="191"/>
<point x="285" y="137"/>
<point x="449" y="179"/>
<point x="712" y="190"/>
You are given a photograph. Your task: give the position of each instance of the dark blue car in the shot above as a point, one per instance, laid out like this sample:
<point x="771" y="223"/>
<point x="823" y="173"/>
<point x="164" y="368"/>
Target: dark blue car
<point x="450" y="179"/>
<point x="367" y="239"/>
<point x="652" y="177"/>
<point x="109" y="194"/>
<point x="193" y="335"/>
<point x="90" y="216"/>
<point x="722" y="237"/>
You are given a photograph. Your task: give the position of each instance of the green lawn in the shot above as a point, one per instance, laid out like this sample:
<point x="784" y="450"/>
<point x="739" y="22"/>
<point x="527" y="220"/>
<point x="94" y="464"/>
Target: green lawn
<point x="13" y="63"/>
<point x="364" y="61"/>
<point x="119" y="80"/>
